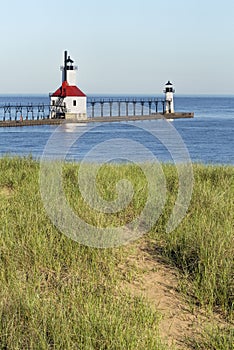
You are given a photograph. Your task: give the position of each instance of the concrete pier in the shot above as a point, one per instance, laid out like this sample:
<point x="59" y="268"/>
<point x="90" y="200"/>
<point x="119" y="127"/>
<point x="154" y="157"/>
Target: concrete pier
<point x="98" y="119"/>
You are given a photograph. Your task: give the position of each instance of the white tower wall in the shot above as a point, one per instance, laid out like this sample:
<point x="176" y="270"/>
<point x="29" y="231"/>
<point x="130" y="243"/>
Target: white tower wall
<point x="170" y="102"/>
<point x="70" y="76"/>
<point x="169" y="98"/>
<point x="75" y="105"/>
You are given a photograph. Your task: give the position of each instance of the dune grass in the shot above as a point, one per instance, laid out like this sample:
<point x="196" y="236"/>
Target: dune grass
<point x="215" y="338"/>
<point x="57" y="294"/>
<point x="202" y="246"/>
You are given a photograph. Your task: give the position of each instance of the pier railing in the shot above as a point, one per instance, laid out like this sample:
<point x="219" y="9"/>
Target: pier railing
<point x="10" y="112"/>
<point x="96" y="107"/>
<point x="107" y="106"/>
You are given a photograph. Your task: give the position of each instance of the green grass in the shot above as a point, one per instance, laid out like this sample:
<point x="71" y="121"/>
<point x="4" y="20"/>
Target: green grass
<point x="202" y="246"/>
<point x="215" y="339"/>
<point x="57" y="294"/>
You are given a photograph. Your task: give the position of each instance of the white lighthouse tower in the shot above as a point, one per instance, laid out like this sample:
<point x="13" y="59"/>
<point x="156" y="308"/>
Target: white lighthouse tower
<point x="169" y="97"/>
<point x="68" y="101"/>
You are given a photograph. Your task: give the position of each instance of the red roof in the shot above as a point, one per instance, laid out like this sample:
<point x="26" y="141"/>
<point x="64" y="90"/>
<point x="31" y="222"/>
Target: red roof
<point x="68" y="90"/>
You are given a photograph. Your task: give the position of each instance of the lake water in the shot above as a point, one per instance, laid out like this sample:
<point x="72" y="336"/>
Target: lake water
<point x="209" y="137"/>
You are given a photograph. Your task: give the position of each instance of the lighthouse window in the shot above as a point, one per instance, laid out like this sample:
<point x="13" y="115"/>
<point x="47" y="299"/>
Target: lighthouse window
<point x="74" y="102"/>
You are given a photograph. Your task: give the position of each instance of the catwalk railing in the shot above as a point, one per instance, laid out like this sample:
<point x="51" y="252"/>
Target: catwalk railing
<point x="96" y="107"/>
<point x="125" y="106"/>
<point x="10" y="112"/>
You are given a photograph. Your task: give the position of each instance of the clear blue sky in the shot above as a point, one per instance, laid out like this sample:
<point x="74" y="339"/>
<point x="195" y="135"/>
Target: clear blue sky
<point x="123" y="46"/>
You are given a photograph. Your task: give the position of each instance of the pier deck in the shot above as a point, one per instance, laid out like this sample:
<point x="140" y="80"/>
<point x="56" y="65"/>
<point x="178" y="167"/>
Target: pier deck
<point x="100" y="119"/>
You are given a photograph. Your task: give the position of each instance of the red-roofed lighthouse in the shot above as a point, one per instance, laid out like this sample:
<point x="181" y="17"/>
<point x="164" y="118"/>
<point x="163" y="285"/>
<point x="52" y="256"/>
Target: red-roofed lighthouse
<point x="68" y="101"/>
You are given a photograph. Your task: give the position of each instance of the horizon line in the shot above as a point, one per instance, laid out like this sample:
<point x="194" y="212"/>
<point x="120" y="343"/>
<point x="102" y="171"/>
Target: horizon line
<point x="123" y="94"/>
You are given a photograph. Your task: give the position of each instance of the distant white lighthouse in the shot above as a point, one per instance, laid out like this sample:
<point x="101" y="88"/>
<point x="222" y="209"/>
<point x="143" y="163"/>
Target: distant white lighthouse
<point x="68" y="101"/>
<point x="169" y="97"/>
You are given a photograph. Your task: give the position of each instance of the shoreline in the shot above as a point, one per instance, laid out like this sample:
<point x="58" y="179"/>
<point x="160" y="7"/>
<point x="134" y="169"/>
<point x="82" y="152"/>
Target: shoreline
<point x="30" y="157"/>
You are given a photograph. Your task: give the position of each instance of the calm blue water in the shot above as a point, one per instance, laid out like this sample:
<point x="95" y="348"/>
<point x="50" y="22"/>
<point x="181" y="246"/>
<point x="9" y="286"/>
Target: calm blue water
<point x="209" y="137"/>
